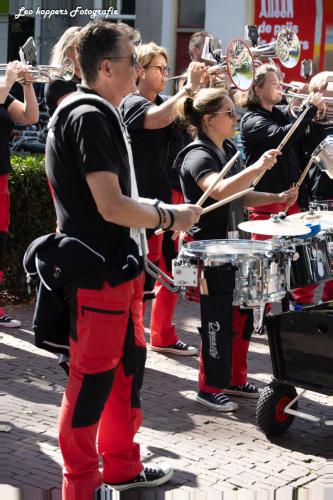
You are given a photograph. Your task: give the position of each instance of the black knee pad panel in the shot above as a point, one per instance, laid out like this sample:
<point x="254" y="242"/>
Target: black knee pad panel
<point x="93" y="395"/>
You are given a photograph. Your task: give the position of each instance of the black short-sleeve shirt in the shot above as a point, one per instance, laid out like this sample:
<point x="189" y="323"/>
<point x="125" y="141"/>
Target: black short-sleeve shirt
<point x="56" y="89"/>
<point x="150" y="148"/>
<point x="196" y="164"/>
<point x="85" y="141"/>
<point x="6" y="127"/>
<point x="262" y="130"/>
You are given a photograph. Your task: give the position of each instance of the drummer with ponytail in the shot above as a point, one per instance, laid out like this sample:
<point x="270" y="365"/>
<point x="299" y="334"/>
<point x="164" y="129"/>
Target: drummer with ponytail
<point x="225" y="330"/>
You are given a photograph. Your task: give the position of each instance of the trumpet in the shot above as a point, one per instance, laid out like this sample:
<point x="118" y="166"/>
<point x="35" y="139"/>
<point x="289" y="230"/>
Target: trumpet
<point x="235" y="68"/>
<point x="286" y="48"/>
<point x="44" y="73"/>
<point x="297" y="101"/>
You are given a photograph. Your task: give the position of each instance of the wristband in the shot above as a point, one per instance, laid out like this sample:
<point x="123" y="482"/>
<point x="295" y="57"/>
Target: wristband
<point x="172" y="219"/>
<point x="156" y="203"/>
<point x="164" y="217"/>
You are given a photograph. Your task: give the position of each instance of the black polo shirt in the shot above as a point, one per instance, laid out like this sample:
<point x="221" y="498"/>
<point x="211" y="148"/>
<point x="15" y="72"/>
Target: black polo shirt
<point x="262" y="130"/>
<point x="56" y="89"/>
<point x="84" y="140"/>
<point x="150" y="148"/>
<point x="195" y="165"/>
<point x="6" y="127"/>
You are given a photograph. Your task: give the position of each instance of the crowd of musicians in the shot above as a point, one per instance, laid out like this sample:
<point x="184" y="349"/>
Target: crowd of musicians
<point x="121" y="156"/>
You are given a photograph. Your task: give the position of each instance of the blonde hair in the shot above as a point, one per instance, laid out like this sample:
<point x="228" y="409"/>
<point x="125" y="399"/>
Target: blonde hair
<point x="67" y="40"/>
<point x="147" y="51"/>
<point x="250" y="99"/>
<point x="205" y="102"/>
<point x="320" y="81"/>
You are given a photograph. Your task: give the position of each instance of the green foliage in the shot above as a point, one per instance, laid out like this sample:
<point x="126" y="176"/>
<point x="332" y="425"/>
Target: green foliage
<point x="32" y="215"/>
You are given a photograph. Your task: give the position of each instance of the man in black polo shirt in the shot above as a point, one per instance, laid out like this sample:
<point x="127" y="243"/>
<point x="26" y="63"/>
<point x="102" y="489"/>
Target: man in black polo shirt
<point x="88" y="162"/>
<point x="156" y="140"/>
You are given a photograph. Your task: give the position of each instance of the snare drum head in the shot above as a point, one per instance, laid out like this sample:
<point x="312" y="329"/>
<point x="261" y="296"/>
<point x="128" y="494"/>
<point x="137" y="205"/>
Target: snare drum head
<point x="221" y="248"/>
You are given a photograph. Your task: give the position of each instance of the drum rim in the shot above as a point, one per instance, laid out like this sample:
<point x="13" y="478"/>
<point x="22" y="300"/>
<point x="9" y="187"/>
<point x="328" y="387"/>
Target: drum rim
<point x="254" y="247"/>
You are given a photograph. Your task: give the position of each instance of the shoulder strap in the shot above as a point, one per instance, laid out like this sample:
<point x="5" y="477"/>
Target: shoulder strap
<point x="72" y="101"/>
<point x="198" y="144"/>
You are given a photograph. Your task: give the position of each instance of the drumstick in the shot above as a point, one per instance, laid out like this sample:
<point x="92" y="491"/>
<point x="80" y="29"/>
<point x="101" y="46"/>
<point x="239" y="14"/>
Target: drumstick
<point x="304" y="173"/>
<point x="210" y="188"/>
<point x="301" y="179"/>
<point x="226" y="200"/>
<point x="283" y="142"/>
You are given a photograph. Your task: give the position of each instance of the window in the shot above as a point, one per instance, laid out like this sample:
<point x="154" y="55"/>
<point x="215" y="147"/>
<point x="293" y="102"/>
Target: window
<point x="191" y="14"/>
<point x="124" y="7"/>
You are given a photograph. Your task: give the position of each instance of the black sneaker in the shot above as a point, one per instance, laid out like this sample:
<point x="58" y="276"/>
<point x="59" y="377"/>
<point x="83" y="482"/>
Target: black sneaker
<point x="9" y="322"/>
<point x="179" y="348"/>
<point x="247" y="390"/>
<point x="150" y="476"/>
<point x="217" y="401"/>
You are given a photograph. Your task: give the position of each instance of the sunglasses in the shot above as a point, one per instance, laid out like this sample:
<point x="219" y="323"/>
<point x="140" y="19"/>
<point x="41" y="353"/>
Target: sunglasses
<point x="232" y="113"/>
<point x="133" y="58"/>
<point x="164" y="70"/>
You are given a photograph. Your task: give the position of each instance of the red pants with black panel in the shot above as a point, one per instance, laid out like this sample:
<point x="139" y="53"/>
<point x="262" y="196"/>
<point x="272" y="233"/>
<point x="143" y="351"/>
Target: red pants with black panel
<point x="101" y="402"/>
<point x="240" y="347"/>
<point x="162" y="330"/>
<point x="225" y="332"/>
<point x="4" y="223"/>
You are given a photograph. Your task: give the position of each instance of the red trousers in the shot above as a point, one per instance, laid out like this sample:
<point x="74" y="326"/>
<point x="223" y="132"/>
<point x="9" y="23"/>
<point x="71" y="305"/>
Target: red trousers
<point x="240" y="347"/>
<point x="101" y="402"/>
<point x="162" y="330"/>
<point x="4" y="223"/>
<point x="302" y="295"/>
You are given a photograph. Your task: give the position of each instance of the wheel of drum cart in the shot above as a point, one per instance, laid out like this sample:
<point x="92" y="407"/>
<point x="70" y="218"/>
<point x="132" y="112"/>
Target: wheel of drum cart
<point x="270" y="415"/>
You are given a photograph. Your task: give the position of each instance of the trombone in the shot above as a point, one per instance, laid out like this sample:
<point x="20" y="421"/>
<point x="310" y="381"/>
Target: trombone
<point x="286" y="48"/>
<point x="235" y="68"/>
<point x="44" y="73"/>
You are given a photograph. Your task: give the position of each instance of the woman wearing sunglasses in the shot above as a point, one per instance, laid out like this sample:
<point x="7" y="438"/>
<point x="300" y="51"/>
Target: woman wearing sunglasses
<point x="156" y="140"/>
<point x="213" y="114"/>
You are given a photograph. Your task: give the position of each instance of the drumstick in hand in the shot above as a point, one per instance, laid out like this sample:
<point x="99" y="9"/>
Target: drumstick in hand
<point x="304" y="173"/>
<point x="301" y="179"/>
<point x="210" y="188"/>
<point x="284" y="141"/>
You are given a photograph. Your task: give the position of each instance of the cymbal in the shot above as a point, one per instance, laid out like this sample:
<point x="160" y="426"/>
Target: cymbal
<point x="319" y="216"/>
<point x="273" y="228"/>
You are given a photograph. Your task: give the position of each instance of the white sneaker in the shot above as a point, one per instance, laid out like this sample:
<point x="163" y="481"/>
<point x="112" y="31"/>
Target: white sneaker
<point x="9" y="322"/>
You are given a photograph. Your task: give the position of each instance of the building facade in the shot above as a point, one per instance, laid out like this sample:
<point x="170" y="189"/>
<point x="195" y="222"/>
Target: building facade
<point x="169" y="23"/>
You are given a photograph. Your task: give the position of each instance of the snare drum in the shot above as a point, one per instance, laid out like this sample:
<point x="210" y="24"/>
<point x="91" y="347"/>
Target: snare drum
<point x="321" y="205"/>
<point x="262" y="272"/>
<point x="323" y="156"/>
<point x="311" y="262"/>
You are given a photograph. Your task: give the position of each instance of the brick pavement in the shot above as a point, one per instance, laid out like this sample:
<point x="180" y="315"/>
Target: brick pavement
<point x="210" y="452"/>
